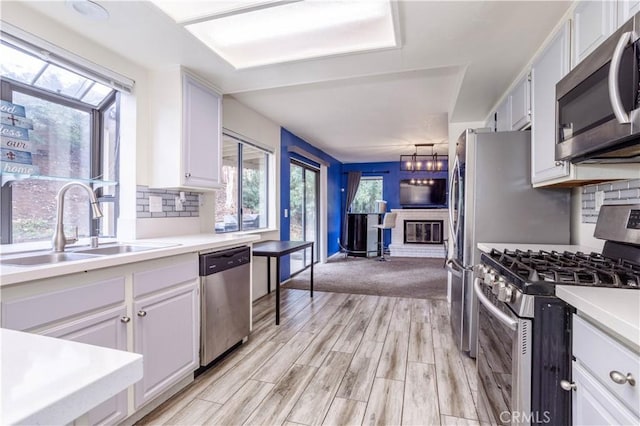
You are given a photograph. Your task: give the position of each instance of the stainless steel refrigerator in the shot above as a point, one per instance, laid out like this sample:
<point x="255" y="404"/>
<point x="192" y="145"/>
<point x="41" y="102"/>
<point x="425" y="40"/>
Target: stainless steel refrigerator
<point x="491" y="200"/>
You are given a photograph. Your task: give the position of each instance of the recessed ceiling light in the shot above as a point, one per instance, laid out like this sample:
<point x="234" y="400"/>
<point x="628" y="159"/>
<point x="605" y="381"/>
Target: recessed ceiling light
<point x="298" y="31"/>
<point x="89" y="9"/>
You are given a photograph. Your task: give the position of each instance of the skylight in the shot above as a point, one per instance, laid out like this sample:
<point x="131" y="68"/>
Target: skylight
<point x="292" y="31"/>
<point x="188" y="11"/>
<point x="28" y="69"/>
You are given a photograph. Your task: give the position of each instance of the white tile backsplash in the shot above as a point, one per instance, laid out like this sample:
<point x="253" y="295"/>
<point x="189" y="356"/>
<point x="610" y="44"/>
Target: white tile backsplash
<point x="617" y="192"/>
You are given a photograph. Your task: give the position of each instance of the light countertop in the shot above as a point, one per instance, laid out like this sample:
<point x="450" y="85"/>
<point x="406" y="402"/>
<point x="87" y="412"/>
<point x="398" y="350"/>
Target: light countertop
<point x="616" y="309"/>
<point x="53" y="381"/>
<point x="163" y="247"/>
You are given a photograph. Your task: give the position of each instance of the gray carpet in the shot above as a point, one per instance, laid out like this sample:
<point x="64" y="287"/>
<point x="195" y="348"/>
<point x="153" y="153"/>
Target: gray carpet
<point x="423" y="278"/>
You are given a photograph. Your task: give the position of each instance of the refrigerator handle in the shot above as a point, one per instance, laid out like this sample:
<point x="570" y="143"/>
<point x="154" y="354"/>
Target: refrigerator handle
<point x="455" y="176"/>
<point x="456" y="268"/>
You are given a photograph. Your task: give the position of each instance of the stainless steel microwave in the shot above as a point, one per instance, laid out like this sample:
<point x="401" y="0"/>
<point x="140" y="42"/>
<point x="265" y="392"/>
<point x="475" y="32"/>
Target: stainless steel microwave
<point x="598" y="102"/>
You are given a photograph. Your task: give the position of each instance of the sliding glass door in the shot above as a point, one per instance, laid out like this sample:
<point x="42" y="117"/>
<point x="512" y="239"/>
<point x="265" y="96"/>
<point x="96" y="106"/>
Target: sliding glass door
<point x="303" y="209"/>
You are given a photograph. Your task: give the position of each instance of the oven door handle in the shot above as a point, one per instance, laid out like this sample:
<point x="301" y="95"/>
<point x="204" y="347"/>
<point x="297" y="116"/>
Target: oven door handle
<point x="493" y="310"/>
<point x="614" y="86"/>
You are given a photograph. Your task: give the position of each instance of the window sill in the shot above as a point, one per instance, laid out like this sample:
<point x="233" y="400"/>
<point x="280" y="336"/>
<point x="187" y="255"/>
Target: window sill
<point x="251" y="232"/>
<point x="9" y="177"/>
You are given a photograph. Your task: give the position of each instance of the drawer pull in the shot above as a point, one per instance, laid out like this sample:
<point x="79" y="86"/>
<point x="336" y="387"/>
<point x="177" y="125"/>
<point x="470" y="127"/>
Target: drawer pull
<point x="621" y="379"/>
<point x="142" y="313"/>
<point x="567" y="385"/>
<point x="125" y="319"/>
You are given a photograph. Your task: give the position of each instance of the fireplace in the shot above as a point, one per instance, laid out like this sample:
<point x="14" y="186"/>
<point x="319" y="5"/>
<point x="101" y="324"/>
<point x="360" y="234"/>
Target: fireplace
<point x="423" y="231"/>
<point x="420" y="247"/>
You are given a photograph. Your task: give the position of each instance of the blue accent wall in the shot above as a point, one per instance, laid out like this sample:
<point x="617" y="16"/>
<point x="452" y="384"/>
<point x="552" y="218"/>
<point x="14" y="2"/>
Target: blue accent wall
<point x="334" y="174"/>
<point x="337" y="181"/>
<point x="390" y="182"/>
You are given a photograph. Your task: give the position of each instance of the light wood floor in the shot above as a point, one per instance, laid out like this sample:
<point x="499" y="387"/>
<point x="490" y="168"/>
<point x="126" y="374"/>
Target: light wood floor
<point x="336" y="359"/>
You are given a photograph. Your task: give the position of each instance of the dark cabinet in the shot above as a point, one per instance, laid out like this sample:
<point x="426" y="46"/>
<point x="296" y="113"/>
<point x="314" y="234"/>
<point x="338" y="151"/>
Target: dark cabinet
<point x="362" y="237"/>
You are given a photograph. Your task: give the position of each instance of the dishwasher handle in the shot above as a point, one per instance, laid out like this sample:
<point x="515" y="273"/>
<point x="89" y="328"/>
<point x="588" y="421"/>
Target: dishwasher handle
<point x="218" y="261"/>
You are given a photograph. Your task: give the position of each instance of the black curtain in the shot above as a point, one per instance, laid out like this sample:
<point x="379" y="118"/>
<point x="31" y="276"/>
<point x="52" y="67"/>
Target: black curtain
<point x="353" y="182"/>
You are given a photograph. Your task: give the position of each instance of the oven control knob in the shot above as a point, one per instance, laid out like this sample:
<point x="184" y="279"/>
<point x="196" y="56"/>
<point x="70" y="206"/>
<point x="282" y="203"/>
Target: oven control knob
<point x="506" y="294"/>
<point x="498" y="286"/>
<point x="489" y="277"/>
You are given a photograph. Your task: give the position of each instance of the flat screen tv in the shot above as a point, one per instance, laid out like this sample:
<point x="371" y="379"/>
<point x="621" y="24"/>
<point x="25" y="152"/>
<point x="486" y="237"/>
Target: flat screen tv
<point x="432" y="194"/>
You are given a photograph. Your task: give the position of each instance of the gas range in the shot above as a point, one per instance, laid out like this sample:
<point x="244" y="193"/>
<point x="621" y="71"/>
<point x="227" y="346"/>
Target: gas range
<point x="513" y="272"/>
<point x="538" y="272"/>
<point x="524" y="330"/>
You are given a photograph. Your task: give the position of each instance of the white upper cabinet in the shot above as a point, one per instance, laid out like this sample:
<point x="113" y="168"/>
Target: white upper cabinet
<point x="514" y="112"/>
<point x="491" y="122"/>
<point x="593" y="22"/>
<point x="186" y="131"/>
<point x="503" y="122"/>
<point x="547" y="69"/>
<point x="521" y="104"/>
<point x="626" y="9"/>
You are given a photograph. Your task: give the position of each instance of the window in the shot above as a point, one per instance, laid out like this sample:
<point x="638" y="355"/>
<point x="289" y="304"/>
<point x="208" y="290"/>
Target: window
<point x="242" y="203"/>
<point x="369" y="191"/>
<point x="74" y="138"/>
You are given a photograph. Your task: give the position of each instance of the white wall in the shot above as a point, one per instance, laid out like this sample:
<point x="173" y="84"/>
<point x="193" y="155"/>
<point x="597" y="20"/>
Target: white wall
<point x="247" y="122"/>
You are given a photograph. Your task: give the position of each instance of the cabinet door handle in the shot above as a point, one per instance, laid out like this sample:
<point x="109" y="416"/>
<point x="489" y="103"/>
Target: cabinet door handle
<point x="142" y="313"/>
<point x="125" y="319"/>
<point x="621" y="379"/>
<point x="567" y="385"/>
<point x="187" y="175"/>
<point x="559" y="163"/>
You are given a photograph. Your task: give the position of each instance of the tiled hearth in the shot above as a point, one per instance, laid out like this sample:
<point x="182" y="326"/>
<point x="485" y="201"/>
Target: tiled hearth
<point x="398" y="247"/>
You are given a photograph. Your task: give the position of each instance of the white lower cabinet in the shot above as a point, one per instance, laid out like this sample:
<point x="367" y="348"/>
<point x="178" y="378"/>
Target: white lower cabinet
<point x="93" y="312"/>
<point x="166" y="333"/>
<point x="151" y="307"/>
<point x="593" y="405"/>
<point x="107" y="329"/>
<point x="605" y="374"/>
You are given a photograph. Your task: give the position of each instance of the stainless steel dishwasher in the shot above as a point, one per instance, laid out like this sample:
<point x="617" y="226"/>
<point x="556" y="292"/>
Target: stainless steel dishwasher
<point x="226" y="301"/>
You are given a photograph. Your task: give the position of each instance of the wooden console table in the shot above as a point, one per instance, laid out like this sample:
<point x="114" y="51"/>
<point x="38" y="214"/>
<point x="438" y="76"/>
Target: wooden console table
<point x="278" y="249"/>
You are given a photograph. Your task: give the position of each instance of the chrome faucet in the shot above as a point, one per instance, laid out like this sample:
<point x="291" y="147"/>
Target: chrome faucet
<point x="59" y="239"/>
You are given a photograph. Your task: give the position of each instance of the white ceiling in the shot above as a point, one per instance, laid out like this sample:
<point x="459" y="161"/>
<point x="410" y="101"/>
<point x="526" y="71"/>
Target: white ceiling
<point x="455" y="61"/>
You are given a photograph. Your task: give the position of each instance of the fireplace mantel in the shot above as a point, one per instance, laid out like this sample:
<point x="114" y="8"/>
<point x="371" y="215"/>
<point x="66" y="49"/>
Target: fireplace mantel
<point x="399" y="248"/>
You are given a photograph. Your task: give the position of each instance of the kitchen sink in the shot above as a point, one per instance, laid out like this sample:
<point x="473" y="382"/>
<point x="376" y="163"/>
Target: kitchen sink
<point x="114" y="249"/>
<point x="43" y="259"/>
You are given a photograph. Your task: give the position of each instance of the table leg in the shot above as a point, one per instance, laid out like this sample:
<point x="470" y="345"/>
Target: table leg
<point x="268" y="275"/>
<point x="277" y="290"/>
<point x="311" y="282"/>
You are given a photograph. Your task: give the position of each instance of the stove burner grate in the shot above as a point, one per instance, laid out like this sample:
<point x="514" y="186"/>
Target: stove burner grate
<point x="578" y="268"/>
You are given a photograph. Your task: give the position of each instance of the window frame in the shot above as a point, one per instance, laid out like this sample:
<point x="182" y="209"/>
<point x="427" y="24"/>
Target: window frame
<point x="96" y="142"/>
<point x="369" y="178"/>
<point x="241" y="141"/>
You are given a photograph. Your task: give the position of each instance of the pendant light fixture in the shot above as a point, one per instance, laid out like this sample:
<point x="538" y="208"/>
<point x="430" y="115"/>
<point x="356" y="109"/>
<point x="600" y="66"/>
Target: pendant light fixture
<point x="423" y="163"/>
